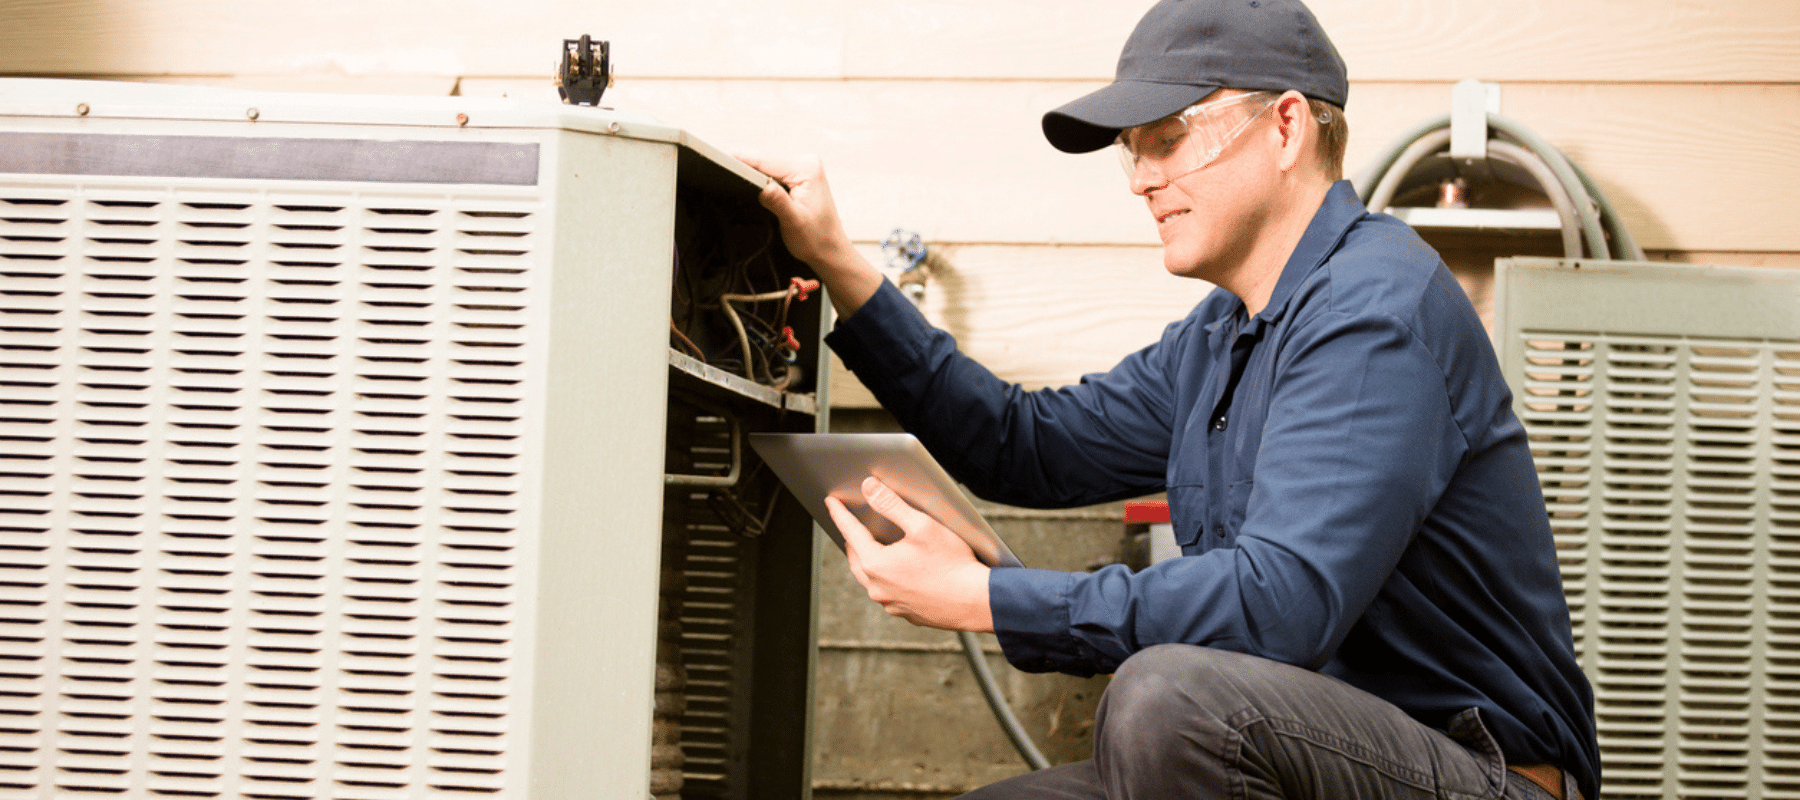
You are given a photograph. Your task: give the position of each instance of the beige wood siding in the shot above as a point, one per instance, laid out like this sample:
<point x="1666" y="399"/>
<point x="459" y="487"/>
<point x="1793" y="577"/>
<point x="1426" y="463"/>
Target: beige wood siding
<point x="926" y="113"/>
<point x="1589" y="41"/>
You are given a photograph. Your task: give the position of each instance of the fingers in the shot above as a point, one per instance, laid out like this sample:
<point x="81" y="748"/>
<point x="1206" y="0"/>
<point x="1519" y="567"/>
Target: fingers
<point x="759" y="161"/>
<point x="885" y="502"/>
<point x="895" y="508"/>
<point x="929" y="577"/>
<point x="789" y="172"/>
<point x="800" y="198"/>
<point x="857" y="538"/>
<point x="774" y="196"/>
<point x="855" y="533"/>
<point x="920" y="529"/>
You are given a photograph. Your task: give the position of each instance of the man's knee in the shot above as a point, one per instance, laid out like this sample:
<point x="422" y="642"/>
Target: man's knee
<point x="1165" y="683"/>
<point x="1156" y="668"/>
<point x="1192" y="683"/>
<point x="1163" y="721"/>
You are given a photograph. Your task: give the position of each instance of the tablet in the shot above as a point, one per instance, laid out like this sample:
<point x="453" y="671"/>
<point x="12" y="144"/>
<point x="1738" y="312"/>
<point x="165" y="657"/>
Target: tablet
<point x="817" y="465"/>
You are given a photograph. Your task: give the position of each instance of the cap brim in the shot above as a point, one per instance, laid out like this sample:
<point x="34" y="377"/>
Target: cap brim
<point x="1091" y="122"/>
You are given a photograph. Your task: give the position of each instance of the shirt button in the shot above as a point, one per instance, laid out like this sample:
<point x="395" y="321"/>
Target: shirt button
<point x="1219" y="423"/>
<point x="1219" y="530"/>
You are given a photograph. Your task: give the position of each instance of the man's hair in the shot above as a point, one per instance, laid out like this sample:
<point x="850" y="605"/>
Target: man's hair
<point x="1333" y="137"/>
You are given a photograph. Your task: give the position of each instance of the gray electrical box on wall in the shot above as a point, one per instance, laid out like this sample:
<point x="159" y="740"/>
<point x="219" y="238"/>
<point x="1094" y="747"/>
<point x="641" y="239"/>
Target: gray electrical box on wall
<point x="1663" y="406"/>
<point x="344" y="453"/>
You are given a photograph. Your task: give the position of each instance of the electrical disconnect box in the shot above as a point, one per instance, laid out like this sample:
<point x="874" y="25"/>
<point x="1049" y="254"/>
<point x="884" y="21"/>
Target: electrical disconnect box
<point x="393" y="448"/>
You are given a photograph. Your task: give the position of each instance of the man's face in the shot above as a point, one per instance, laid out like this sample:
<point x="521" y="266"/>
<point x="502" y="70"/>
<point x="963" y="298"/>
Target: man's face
<point x="1206" y="216"/>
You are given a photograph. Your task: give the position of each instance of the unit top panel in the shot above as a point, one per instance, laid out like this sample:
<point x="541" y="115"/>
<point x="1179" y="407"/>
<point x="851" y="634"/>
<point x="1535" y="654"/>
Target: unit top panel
<point x="44" y="98"/>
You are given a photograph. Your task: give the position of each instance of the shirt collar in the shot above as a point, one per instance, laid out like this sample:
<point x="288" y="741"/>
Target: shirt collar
<point x="1341" y="209"/>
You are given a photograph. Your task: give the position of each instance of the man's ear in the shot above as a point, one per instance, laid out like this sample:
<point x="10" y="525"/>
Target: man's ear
<point x="1292" y="120"/>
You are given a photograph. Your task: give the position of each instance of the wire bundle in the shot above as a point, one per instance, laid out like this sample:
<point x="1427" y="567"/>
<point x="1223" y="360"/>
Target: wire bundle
<point x="732" y="296"/>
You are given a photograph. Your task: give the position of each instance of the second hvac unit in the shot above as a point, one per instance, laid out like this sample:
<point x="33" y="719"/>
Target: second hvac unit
<point x="1663" y="405"/>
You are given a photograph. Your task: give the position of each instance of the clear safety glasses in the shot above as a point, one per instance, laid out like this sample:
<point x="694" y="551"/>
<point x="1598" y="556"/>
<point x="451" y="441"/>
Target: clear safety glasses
<point x="1177" y="145"/>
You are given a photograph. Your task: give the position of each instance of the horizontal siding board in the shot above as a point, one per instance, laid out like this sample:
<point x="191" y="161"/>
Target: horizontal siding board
<point x="1045" y="316"/>
<point x="792" y="38"/>
<point x="1382" y="40"/>
<point x="966" y="162"/>
<point x="1546" y="40"/>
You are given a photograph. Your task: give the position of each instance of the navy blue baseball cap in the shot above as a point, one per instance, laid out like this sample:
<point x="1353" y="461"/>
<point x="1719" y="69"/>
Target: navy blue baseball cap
<point x="1183" y="50"/>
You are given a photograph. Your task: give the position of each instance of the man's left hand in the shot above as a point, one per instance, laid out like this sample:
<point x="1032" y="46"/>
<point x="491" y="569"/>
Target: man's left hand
<point x="929" y="577"/>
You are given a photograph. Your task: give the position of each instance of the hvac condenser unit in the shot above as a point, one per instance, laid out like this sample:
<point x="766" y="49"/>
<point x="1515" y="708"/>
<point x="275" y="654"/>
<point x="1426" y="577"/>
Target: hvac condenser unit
<point x="344" y="452"/>
<point x="1663" y="405"/>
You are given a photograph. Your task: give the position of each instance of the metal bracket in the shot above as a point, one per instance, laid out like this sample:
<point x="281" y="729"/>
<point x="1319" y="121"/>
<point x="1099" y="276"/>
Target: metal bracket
<point x="1470" y="103"/>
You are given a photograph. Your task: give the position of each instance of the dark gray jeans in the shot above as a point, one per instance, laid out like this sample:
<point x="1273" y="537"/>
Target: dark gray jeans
<point x="1180" y="721"/>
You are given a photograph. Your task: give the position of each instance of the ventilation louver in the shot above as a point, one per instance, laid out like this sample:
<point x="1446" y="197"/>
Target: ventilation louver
<point x="1663" y="404"/>
<point x="259" y="490"/>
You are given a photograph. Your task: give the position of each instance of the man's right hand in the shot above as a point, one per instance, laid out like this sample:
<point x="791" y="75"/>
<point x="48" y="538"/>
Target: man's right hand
<point x="800" y="199"/>
<point x="929" y="577"/>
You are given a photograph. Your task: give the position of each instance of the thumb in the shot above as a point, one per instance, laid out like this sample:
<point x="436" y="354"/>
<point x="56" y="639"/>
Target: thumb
<point x="774" y="195"/>
<point x="776" y="199"/>
<point x="895" y="508"/>
<point x="857" y="538"/>
<point x="783" y="171"/>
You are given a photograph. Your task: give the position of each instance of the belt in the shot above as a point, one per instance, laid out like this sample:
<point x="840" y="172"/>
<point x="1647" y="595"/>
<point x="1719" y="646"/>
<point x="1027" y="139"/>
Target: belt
<point x="1546" y="776"/>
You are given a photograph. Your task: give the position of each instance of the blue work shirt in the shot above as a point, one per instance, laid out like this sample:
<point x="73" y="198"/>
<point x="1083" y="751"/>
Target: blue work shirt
<point x="1350" y="488"/>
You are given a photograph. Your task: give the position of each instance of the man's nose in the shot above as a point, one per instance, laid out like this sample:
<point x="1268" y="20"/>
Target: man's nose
<point x="1145" y="178"/>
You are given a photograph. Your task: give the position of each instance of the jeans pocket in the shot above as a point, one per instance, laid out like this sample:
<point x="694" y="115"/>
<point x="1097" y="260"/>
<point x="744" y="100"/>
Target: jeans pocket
<point x="1467" y="730"/>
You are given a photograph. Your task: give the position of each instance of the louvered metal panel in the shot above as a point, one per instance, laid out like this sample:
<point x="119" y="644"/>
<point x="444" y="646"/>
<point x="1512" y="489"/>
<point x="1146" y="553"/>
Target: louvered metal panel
<point x="331" y="451"/>
<point x="282" y="439"/>
<point x="1663" y="404"/>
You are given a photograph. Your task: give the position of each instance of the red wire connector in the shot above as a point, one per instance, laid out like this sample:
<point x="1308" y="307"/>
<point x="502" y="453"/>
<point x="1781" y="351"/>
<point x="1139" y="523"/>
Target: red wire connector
<point x="798" y="289"/>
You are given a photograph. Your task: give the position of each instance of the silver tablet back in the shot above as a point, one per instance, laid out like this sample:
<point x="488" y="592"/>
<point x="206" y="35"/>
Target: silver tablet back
<point x="817" y="465"/>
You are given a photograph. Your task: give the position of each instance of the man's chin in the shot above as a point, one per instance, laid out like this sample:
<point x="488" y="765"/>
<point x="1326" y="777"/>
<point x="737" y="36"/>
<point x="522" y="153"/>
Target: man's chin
<point x="1182" y="266"/>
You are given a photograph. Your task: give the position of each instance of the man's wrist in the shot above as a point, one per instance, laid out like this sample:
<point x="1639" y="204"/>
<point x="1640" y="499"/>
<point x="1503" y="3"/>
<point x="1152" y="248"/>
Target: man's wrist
<point x="849" y="278"/>
<point x="979" y="615"/>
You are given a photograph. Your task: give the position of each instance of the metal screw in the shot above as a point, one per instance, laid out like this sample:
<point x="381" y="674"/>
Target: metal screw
<point x="612" y="127"/>
<point x="253" y="113"/>
<point x="81" y="110"/>
<point x="462" y="119"/>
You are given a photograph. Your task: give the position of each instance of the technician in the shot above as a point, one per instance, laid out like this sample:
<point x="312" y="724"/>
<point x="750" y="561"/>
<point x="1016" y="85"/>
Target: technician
<point x="1368" y="603"/>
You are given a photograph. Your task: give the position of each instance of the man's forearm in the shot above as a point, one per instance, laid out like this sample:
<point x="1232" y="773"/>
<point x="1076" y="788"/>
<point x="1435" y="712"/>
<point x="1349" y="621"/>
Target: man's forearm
<point x="849" y="278"/>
